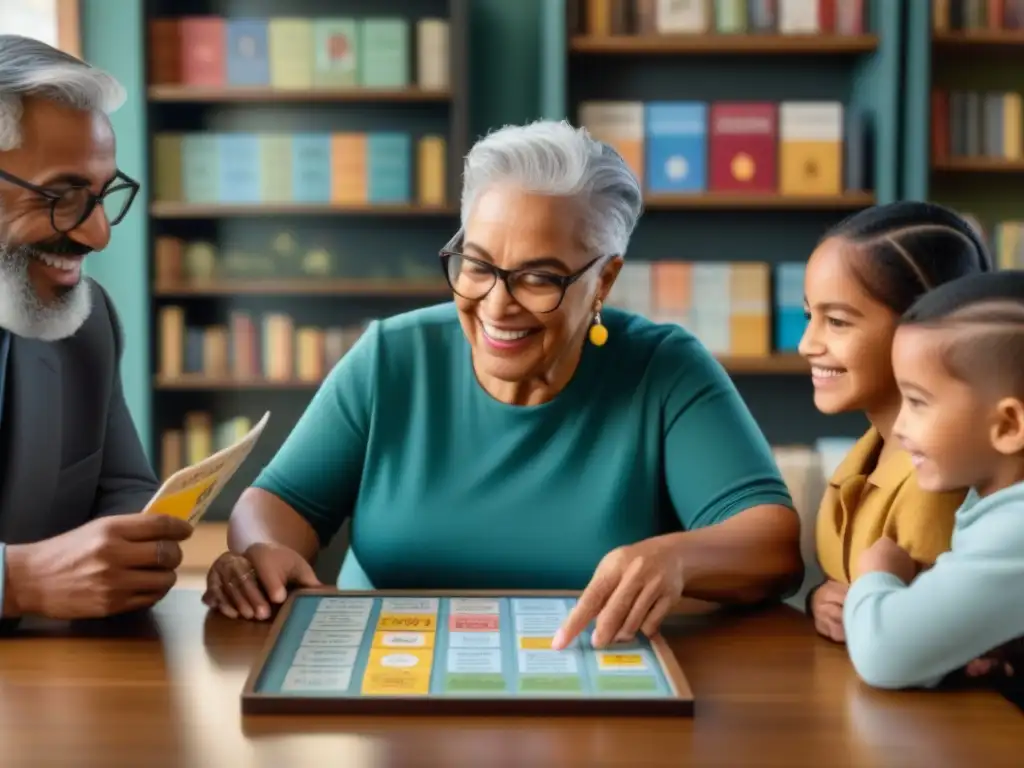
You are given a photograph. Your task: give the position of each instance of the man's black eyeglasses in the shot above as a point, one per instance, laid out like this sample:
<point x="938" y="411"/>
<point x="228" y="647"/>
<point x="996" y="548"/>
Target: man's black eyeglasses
<point x="70" y="207"/>
<point x="534" y="289"/>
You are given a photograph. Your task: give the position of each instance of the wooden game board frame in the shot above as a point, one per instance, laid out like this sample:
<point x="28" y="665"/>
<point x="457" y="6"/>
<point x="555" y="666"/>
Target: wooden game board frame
<point x="680" y="703"/>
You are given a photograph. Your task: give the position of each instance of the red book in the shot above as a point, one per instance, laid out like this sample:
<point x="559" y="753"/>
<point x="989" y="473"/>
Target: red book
<point x="827" y="16"/>
<point x="743" y="147"/>
<point x="202" y="50"/>
<point x="940" y="125"/>
<point x="164" y="52"/>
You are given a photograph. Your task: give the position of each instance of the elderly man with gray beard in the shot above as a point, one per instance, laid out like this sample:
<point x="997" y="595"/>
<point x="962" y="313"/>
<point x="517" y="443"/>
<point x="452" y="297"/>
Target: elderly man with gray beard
<point x="73" y="474"/>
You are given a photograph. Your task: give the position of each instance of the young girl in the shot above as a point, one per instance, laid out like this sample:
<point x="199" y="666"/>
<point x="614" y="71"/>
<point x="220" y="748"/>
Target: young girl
<point x="957" y="357"/>
<point x="860" y="279"/>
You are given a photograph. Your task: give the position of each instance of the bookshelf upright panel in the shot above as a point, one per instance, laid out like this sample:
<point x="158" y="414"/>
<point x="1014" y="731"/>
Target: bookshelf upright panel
<point x="306" y="163"/>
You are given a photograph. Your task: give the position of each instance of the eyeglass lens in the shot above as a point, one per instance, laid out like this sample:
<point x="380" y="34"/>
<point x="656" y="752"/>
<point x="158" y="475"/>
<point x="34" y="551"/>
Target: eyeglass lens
<point x="73" y="207"/>
<point x="473" y="280"/>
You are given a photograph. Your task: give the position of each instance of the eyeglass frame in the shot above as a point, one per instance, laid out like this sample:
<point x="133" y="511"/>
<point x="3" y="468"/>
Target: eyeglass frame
<point x="506" y="275"/>
<point x="93" y="200"/>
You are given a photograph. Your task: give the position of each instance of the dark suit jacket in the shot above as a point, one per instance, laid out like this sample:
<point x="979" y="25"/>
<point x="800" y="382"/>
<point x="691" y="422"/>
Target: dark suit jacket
<point x="70" y="449"/>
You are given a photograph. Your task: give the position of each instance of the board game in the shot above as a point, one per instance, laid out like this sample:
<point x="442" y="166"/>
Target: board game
<point x="452" y="653"/>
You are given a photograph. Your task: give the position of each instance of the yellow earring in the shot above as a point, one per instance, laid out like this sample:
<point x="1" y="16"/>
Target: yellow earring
<point x="598" y="332"/>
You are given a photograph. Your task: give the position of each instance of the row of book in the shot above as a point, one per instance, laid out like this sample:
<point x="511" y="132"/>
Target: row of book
<point x="737" y="309"/>
<point x="1006" y="241"/>
<point x="697" y="17"/>
<point x="389" y="167"/>
<point x="269" y="347"/>
<point x="792" y="147"/>
<point x="976" y="124"/>
<point x="299" y="53"/>
<point x="977" y="15"/>
<point x="180" y="263"/>
<point x="200" y="435"/>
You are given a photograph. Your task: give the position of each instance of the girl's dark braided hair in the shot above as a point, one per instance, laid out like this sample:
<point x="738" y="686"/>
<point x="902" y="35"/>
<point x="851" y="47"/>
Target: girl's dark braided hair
<point x="909" y="248"/>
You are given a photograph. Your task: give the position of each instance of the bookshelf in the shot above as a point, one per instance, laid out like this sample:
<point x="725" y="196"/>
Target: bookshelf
<point x="630" y="55"/>
<point x="303" y="178"/>
<point x="964" y="143"/>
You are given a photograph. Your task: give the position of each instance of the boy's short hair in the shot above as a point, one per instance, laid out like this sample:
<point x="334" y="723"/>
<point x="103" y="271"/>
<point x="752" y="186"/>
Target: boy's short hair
<point x="984" y="314"/>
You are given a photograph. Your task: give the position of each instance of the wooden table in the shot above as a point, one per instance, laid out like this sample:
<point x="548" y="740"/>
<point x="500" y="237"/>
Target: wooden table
<point x="163" y="690"/>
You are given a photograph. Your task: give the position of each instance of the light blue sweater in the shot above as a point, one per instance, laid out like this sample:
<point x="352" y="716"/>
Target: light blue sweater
<point x="969" y="603"/>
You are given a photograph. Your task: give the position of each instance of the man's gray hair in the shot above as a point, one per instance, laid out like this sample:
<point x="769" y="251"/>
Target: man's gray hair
<point x="554" y="158"/>
<point x="31" y="68"/>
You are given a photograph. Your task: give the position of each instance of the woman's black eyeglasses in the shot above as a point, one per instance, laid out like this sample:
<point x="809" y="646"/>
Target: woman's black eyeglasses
<point x="535" y="290"/>
<point x="69" y="208"/>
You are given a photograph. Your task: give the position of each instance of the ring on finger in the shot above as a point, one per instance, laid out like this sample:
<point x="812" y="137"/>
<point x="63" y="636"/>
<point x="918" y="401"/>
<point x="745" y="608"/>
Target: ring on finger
<point x="247" y="575"/>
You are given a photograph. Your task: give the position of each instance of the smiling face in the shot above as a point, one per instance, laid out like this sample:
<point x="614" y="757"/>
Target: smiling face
<point x="522" y="356"/>
<point x="848" y="339"/>
<point x="944" y="424"/>
<point x="42" y="294"/>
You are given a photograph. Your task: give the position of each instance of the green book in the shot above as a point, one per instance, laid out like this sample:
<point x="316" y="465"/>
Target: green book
<point x="384" y="53"/>
<point x="275" y="167"/>
<point x="335" y="53"/>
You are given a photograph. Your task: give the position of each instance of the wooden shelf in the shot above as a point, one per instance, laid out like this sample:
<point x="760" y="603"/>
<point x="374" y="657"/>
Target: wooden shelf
<point x="305" y="287"/>
<point x="199" y="95"/>
<point x="994" y="38"/>
<point x="723" y="200"/>
<point x="773" y="365"/>
<point x="978" y="165"/>
<point x="724" y="44"/>
<point x="200" y="382"/>
<point x="167" y="210"/>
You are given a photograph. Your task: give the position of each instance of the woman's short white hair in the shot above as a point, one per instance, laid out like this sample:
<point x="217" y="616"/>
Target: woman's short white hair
<point x="31" y="68"/>
<point x="554" y="158"/>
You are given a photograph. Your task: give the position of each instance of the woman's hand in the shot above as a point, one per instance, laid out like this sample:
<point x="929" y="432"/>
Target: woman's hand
<point x="245" y="585"/>
<point x="633" y="589"/>
<point x="827" y="610"/>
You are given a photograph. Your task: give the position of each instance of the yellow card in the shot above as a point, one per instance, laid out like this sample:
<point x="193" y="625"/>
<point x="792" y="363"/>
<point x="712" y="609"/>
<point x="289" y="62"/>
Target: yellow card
<point x="409" y="622"/>
<point x="183" y="503"/>
<point x="393" y="640"/>
<point x="621" y="660"/>
<point x="399" y="672"/>
<point x="535" y="643"/>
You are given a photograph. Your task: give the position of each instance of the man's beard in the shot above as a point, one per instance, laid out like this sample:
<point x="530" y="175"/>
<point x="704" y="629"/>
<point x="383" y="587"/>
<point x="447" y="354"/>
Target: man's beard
<point x="24" y="313"/>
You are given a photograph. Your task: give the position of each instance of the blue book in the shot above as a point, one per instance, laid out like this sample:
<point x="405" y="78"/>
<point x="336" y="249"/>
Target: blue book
<point x="311" y="167"/>
<point x="199" y="172"/>
<point x="676" y="138"/>
<point x="248" y="56"/>
<point x="239" y="167"/>
<point x="389" y="168"/>
<point x="194" y="345"/>
<point x="789" y="306"/>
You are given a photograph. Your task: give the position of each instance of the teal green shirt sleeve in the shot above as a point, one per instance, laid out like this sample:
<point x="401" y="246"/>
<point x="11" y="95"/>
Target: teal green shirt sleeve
<point x="318" y="468"/>
<point x="969" y="603"/>
<point x="717" y="460"/>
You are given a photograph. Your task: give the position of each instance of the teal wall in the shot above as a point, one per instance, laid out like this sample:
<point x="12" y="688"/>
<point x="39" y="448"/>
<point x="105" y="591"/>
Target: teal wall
<point x="112" y="39"/>
<point x="504" y="88"/>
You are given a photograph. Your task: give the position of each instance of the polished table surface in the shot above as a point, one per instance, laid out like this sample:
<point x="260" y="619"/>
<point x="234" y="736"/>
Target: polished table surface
<point x="162" y="689"/>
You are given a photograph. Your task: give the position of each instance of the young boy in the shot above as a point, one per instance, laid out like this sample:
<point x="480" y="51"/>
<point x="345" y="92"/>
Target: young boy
<point x="958" y="358"/>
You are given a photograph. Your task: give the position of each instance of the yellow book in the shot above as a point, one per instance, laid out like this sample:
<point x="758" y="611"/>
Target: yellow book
<point x="168" y="184"/>
<point x="811" y="148"/>
<point x="290" y="46"/>
<point x="1012" y="127"/>
<point x="749" y="326"/>
<point x="431" y="170"/>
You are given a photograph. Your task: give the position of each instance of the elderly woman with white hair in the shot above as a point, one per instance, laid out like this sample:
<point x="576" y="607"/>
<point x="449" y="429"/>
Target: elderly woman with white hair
<point x="525" y="436"/>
